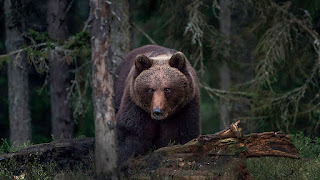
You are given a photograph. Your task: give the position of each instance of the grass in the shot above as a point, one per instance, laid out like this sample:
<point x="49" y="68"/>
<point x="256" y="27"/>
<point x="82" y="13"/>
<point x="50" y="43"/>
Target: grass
<point x="308" y="148"/>
<point x="33" y="169"/>
<point x="6" y="147"/>
<point x="283" y="168"/>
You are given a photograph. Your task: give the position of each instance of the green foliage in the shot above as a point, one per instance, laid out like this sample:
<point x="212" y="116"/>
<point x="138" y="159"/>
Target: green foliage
<point x="77" y="53"/>
<point x="80" y="90"/>
<point x="307" y="147"/>
<point x="39" y="59"/>
<point x="37" y="37"/>
<point x="5" y="146"/>
<point x="80" y="40"/>
<point x="287" y="68"/>
<point x="283" y="168"/>
<point x="32" y="169"/>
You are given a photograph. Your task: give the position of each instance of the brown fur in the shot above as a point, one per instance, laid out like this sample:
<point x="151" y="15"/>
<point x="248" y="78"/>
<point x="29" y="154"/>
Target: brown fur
<point x="154" y="77"/>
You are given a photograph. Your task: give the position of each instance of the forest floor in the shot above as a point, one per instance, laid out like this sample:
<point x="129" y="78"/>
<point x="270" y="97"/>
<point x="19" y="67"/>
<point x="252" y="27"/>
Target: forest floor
<point x="224" y="155"/>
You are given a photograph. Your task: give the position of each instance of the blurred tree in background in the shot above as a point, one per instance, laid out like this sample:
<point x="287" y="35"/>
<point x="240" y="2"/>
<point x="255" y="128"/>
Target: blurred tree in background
<point x="59" y="71"/>
<point x="271" y="51"/>
<point x="18" y="86"/>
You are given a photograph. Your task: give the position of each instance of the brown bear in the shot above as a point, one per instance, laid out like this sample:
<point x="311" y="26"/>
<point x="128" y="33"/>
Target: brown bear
<point x="157" y="100"/>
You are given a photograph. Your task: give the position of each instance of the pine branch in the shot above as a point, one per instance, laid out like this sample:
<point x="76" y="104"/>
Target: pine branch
<point x="23" y="49"/>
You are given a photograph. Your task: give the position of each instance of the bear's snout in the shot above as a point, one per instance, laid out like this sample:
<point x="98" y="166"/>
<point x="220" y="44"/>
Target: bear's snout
<point x="157" y="112"/>
<point x="158" y="105"/>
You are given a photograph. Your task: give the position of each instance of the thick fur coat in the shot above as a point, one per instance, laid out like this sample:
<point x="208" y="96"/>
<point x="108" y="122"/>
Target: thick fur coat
<point x="157" y="100"/>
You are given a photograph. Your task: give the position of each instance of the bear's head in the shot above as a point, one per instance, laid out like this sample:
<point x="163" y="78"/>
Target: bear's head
<point x="162" y="85"/>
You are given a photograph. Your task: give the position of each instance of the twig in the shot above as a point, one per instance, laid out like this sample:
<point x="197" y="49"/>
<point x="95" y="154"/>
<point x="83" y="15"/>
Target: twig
<point x="143" y="33"/>
<point x="86" y="24"/>
<point x="67" y="10"/>
<point x="222" y="93"/>
<point x="20" y="50"/>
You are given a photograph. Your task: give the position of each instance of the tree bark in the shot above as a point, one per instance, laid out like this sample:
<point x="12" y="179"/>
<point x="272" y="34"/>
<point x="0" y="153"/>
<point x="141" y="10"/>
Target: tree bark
<point x="107" y="19"/>
<point x="61" y="110"/>
<point x="120" y="39"/>
<point x="224" y="71"/>
<point x="18" y="88"/>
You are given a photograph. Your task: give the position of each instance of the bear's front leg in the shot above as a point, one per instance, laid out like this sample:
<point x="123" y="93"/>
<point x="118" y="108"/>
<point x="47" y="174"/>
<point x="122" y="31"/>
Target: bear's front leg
<point x="131" y="145"/>
<point x="182" y="126"/>
<point x="135" y="133"/>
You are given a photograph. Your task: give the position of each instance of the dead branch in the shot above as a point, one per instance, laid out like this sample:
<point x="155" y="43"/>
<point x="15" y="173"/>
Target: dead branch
<point x="144" y="34"/>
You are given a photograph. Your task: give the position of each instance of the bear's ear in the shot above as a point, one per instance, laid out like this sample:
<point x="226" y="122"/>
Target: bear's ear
<point x="178" y="60"/>
<point x="142" y="63"/>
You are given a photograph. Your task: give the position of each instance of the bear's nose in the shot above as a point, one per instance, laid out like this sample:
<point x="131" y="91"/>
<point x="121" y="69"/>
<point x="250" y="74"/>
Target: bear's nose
<point x="157" y="112"/>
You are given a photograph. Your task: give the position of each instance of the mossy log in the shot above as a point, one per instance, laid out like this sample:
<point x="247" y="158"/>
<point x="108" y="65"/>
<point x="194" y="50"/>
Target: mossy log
<point x="64" y="153"/>
<point x="212" y="156"/>
<point x="219" y="155"/>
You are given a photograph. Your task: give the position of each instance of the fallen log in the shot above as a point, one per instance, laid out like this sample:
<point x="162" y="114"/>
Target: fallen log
<point x="64" y="153"/>
<point x="219" y="155"/>
<point x="212" y="156"/>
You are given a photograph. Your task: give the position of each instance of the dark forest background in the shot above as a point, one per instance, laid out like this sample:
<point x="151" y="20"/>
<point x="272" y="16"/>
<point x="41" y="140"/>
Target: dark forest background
<point x="257" y="61"/>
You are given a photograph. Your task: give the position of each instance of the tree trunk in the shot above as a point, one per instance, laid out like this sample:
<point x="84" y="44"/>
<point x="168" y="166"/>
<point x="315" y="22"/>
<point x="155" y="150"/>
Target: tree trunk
<point x="61" y="111"/>
<point x="107" y="18"/>
<point x="245" y="44"/>
<point x="120" y="41"/>
<point x="224" y="71"/>
<point x="18" y="88"/>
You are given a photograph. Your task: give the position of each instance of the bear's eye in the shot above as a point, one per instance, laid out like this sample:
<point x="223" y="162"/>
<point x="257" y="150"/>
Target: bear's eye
<point x="167" y="90"/>
<point x="150" y="90"/>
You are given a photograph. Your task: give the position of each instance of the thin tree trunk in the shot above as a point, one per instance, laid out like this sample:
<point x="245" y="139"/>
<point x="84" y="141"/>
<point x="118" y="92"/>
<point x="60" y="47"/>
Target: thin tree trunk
<point x="224" y="71"/>
<point x="61" y="111"/>
<point x="245" y="43"/>
<point x="120" y="39"/>
<point x="18" y="88"/>
<point x="105" y="51"/>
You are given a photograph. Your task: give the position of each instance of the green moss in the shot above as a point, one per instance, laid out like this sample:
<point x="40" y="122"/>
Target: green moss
<point x="307" y="147"/>
<point x="283" y="168"/>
